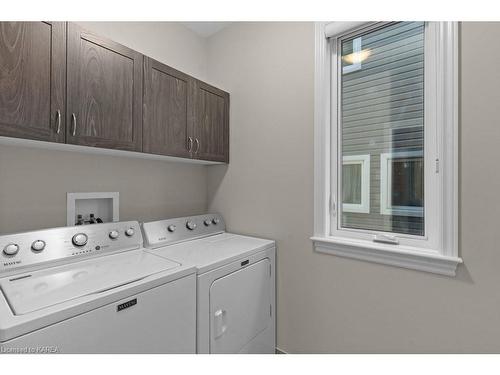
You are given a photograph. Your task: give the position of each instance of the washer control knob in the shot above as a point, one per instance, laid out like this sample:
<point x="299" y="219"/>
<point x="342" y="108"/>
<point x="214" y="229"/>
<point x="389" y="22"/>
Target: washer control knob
<point x="114" y="234"/>
<point x="207" y="222"/>
<point x="130" y="232"/>
<point x="80" y="239"/>
<point x="38" y="245"/>
<point x="171" y="228"/>
<point x="11" y="249"/>
<point x="190" y="225"/>
<point x="215" y="220"/>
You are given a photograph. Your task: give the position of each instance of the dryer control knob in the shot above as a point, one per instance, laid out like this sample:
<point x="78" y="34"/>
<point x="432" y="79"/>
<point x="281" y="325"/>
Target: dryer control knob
<point x="171" y="228"/>
<point x="130" y="232"/>
<point x="190" y="225"/>
<point x="11" y="249"/>
<point x="38" y="245"/>
<point x="207" y="222"/>
<point x="80" y="239"/>
<point x="114" y="234"/>
<point x="215" y="220"/>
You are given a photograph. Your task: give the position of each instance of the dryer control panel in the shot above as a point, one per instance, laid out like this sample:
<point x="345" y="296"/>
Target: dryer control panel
<point x="170" y="231"/>
<point x="21" y="250"/>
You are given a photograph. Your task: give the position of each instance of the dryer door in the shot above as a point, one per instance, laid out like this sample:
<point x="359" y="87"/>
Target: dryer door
<point x="240" y="307"/>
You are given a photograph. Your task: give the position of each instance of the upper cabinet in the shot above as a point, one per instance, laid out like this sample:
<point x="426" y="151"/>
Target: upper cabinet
<point x="166" y="128"/>
<point x="33" y="80"/>
<point x="61" y="83"/>
<point x="183" y="116"/>
<point x="210" y="123"/>
<point x="104" y="107"/>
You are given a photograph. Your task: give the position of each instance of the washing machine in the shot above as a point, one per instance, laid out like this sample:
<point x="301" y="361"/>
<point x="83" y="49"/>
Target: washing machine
<point x="93" y="289"/>
<point x="235" y="281"/>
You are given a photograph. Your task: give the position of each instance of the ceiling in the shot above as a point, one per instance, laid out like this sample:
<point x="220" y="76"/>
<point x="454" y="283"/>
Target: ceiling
<point x="206" y="29"/>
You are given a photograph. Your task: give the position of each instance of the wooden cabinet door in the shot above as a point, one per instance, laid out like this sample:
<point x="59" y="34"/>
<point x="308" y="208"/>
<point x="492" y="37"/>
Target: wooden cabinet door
<point x="165" y="113"/>
<point x="33" y="80"/>
<point x="210" y="123"/>
<point x="104" y="98"/>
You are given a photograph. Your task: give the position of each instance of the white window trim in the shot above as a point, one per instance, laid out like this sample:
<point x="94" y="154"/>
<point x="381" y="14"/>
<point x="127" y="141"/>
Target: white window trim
<point x="386" y="185"/>
<point x="364" y="206"/>
<point x="442" y="256"/>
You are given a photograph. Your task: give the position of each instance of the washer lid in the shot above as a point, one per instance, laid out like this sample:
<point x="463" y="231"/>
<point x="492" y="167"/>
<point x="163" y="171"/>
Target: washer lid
<point x="30" y="292"/>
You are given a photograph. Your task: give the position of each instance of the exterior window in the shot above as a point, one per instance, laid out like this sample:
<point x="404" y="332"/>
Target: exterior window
<point x="351" y="56"/>
<point x="402" y="184"/>
<point x="356" y="183"/>
<point x="382" y="113"/>
<point x="386" y="143"/>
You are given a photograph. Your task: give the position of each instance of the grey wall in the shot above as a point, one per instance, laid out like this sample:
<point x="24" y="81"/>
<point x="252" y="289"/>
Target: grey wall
<point x="327" y="303"/>
<point x="34" y="183"/>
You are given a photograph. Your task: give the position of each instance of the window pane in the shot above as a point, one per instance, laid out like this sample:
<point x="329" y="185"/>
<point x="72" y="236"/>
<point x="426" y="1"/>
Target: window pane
<point x="351" y="179"/>
<point x="407" y="182"/>
<point x="382" y="115"/>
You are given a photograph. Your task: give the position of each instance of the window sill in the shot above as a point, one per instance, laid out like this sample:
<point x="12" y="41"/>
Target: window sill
<point x="407" y="257"/>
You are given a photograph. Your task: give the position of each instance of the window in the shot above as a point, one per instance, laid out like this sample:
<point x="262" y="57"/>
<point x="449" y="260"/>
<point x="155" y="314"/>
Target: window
<point x="402" y="184"/>
<point x="352" y="56"/>
<point x="385" y="143"/>
<point x="356" y="183"/>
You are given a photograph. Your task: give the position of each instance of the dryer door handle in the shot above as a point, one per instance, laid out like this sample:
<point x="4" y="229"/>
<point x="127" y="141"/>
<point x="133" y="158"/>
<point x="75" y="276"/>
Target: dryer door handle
<point x="220" y="326"/>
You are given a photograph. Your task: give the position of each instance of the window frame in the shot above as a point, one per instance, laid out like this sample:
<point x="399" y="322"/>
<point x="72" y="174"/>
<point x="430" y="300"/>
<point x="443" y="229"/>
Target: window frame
<point x="356" y="47"/>
<point x="437" y="250"/>
<point x="364" y="161"/>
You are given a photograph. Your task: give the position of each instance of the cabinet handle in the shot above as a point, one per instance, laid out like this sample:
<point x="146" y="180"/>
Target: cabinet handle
<point x="73" y="120"/>
<point x="58" y="121"/>
<point x="190" y="144"/>
<point x="197" y="145"/>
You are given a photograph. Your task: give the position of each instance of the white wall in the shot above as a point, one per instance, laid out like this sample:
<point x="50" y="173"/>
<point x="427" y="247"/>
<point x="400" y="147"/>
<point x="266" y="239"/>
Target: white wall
<point x="34" y="183"/>
<point x="327" y="303"/>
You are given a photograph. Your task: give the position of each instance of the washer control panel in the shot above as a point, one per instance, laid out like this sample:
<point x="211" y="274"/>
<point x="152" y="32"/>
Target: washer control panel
<point x="21" y="250"/>
<point x="166" y="232"/>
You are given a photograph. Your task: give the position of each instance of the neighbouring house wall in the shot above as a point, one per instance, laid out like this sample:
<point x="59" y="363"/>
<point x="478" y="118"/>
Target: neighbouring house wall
<point x="34" y="183"/>
<point x="332" y="304"/>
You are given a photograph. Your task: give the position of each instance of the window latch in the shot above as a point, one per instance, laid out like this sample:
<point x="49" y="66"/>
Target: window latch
<point x="385" y="238"/>
<point x="333" y="206"/>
